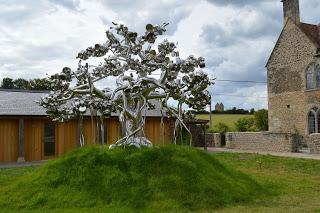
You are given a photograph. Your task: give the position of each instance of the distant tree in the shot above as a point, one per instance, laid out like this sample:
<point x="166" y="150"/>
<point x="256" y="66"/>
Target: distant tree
<point x="40" y="84"/>
<point x="252" y="111"/>
<point x="21" y="83"/>
<point x="7" y="83"/>
<point x="261" y="119"/>
<point x="245" y="124"/>
<point x="234" y="110"/>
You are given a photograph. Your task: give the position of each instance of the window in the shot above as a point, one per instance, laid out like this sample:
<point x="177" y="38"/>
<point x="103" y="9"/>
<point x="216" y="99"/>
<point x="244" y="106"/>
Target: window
<point x="314" y="120"/>
<point x="310" y="77"/>
<point x="318" y="76"/>
<point x="313" y="76"/>
<point x="311" y="123"/>
<point x="318" y="121"/>
<point x="49" y="139"/>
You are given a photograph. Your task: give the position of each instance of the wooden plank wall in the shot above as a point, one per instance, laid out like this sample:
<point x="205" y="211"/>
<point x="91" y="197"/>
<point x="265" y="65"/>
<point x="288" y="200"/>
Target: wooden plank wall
<point x="152" y="130"/>
<point x="9" y="140"/>
<point x="34" y="139"/>
<point x="113" y="130"/>
<point x="66" y="137"/>
<point x="90" y="132"/>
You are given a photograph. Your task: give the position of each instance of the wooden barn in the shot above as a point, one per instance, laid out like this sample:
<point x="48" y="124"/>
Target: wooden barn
<point x="26" y="133"/>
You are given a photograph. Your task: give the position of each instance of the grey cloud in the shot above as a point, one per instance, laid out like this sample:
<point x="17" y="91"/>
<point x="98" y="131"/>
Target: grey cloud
<point x="218" y="36"/>
<point x="156" y="13"/>
<point x="309" y="10"/>
<point x="214" y="60"/>
<point x="34" y="60"/>
<point x="236" y="29"/>
<point x="120" y="4"/>
<point x="238" y="3"/>
<point x="17" y="12"/>
<point x="44" y="52"/>
<point x="69" y="4"/>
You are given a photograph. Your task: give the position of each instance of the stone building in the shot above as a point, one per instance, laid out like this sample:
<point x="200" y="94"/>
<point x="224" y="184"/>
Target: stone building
<point x="219" y="107"/>
<point x="293" y="92"/>
<point x="294" y="76"/>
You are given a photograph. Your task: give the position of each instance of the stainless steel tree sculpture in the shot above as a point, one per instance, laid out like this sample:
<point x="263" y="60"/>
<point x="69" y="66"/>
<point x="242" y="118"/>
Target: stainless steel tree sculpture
<point x="145" y="71"/>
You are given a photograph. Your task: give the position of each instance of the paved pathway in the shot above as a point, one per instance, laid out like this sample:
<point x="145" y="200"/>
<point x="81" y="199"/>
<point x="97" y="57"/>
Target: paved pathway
<point x="281" y="154"/>
<point x="21" y="164"/>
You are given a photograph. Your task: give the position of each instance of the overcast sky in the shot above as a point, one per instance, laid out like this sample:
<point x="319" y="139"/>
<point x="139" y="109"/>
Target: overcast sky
<point x="39" y="37"/>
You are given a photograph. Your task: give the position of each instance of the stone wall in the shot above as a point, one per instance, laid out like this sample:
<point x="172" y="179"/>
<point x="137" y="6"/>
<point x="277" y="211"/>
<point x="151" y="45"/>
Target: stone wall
<point x="313" y="142"/>
<point x="213" y="139"/>
<point x="261" y="141"/>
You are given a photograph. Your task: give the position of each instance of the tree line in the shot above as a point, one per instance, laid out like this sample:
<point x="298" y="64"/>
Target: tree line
<point x="234" y="110"/>
<point x="20" y="83"/>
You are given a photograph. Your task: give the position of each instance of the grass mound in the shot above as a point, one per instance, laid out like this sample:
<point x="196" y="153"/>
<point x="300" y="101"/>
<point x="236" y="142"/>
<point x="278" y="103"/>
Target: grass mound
<point x="159" y="179"/>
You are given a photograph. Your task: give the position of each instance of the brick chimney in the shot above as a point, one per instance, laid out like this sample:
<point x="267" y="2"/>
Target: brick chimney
<point x="291" y="10"/>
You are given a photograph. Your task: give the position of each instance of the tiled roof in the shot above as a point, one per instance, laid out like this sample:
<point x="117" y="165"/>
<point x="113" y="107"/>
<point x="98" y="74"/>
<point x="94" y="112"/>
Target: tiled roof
<point x="312" y="31"/>
<point x="24" y="103"/>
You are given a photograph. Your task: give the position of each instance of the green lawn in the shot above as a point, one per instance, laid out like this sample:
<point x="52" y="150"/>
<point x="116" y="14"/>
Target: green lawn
<point x="162" y="179"/>
<point x="228" y="119"/>
<point x="293" y="184"/>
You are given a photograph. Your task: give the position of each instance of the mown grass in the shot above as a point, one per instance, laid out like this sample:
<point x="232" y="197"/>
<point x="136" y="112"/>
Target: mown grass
<point x="295" y="181"/>
<point x="228" y="119"/>
<point x="95" y="179"/>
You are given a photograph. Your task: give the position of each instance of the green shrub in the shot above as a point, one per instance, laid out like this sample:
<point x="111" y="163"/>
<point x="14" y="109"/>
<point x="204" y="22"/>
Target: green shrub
<point x="245" y="125"/>
<point x="261" y="119"/>
<point x="221" y="128"/>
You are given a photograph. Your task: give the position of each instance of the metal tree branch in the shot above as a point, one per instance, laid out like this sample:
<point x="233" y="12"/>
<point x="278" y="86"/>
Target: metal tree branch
<point x="133" y="61"/>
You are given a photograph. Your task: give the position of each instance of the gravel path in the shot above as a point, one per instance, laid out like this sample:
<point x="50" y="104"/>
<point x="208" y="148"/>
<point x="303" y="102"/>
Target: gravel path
<point x="280" y="154"/>
<point x="21" y="164"/>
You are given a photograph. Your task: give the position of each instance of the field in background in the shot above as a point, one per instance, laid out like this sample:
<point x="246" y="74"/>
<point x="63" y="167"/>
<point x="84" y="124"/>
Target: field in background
<point x="228" y="119"/>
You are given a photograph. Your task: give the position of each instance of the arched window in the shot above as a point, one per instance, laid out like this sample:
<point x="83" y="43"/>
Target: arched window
<point x="311" y="122"/>
<point x="318" y="76"/>
<point x="318" y="121"/>
<point x="310" y="77"/>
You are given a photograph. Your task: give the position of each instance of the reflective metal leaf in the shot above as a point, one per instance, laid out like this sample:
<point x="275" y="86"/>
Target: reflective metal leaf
<point x="149" y="27"/>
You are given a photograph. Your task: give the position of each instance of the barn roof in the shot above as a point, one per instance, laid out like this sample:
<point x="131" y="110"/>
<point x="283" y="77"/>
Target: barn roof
<point x="24" y="103"/>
